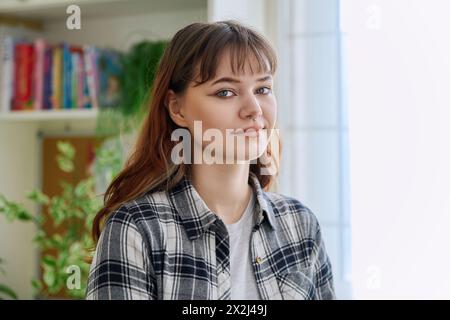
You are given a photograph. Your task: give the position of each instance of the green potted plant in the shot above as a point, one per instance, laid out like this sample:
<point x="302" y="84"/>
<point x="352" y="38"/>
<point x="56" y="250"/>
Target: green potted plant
<point x="64" y="251"/>
<point x="5" y="291"/>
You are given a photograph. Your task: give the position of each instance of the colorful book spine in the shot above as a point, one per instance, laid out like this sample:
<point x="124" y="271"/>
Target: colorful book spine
<point x="110" y="69"/>
<point x="80" y="81"/>
<point x="91" y="74"/>
<point x="39" y="46"/>
<point x="47" y="95"/>
<point x="87" y="99"/>
<point x="23" y="76"/>
<point x="67" y="76"/>
<point x="57" y="78"/>
<point x="35" y="75"/>
<point x="74" y="80"/>
<point x="7" y="74"/>
<point x="76" y="54"/>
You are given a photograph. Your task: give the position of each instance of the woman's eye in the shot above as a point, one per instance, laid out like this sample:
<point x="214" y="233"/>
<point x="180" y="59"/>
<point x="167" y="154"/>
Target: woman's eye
<point x="224" y="93"/>
<point x="264" y="90"/>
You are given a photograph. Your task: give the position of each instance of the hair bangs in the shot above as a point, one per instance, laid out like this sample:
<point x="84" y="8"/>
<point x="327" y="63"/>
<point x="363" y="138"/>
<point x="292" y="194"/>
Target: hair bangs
<point x="244" y="49"/>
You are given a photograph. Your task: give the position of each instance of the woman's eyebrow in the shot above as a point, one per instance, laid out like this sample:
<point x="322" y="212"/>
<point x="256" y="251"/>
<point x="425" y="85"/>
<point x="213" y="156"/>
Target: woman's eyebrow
<point x="234" y="80"/>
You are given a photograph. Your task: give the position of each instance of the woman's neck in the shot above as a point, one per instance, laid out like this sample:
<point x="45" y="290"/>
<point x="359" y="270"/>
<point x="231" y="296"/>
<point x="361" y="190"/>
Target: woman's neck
<point x="224" y="188"/>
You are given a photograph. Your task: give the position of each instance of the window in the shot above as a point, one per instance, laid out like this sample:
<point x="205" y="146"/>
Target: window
<point x="313" y="123"/>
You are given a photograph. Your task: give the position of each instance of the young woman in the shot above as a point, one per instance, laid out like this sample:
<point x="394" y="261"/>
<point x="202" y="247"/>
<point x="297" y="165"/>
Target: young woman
<point x="206" y="227"/>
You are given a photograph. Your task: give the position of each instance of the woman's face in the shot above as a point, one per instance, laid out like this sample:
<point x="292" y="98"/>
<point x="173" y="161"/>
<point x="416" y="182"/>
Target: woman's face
<point x="231" y="103"/>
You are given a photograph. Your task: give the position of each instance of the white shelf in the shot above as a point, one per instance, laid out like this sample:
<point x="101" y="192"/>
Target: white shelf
<point x="48" y="115"/>
<point x="56" y="9"/>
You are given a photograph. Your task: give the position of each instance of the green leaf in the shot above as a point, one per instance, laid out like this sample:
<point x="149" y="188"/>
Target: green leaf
<point x="59" y="283"/>
<point x="65" y="164"/>
<point x="58" y="210"/>
<point x="57" y="241"/>
<point x="67" y="188"/>
<point x="75" y="249"/>
<point x="2" y="271"/>
<point x="40" y="236"/>
<point x="82" y="188"/>
<point x="23" y="214"/>
<point x="78" y="213"/>
<point x="6" y="291"/>
<point x="62" y="259"/>
<point x="65" y="158"/>
<point x="49" y="276"/>
<point x="37" y="284"/>
<point x="49" y="261"/>
<point x="37" y="196"/>
<point x="66" y="149"/>
<point x="14" y="211"/>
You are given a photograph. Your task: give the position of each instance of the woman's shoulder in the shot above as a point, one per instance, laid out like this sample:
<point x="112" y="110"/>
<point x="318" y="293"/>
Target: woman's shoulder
<point x="146" y="207"/>
<point x="291" y="210"/>
<point x="151" y="204"/>
<point x="154" y="198"/>
<point x="285" y="204"/>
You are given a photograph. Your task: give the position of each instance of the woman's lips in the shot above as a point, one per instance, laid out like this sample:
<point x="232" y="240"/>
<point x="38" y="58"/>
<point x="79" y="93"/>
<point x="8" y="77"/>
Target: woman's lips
<point x="250" y="132"/>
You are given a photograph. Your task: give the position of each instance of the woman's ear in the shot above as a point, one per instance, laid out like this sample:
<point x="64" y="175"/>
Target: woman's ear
<point x="174" y="107"/>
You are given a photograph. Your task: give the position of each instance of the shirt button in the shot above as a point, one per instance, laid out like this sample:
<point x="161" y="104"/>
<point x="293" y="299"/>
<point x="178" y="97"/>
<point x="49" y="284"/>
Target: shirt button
<point x="258" y="260"/>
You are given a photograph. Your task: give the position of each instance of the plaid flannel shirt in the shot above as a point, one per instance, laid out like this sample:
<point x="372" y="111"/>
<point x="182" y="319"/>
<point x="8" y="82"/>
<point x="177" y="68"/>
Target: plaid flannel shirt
<point x="170" y="245"/>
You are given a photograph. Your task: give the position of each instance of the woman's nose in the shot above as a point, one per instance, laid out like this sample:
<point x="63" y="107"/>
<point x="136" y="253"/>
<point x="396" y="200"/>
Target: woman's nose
<point x="251" y="108"/>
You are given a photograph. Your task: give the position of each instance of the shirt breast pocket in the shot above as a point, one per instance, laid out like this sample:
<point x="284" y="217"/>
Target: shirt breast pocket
<point x="295" y="285"/>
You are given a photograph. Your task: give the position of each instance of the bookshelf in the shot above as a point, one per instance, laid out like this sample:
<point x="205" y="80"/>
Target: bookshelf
<point x="49" y="115"/>
<point x="116" y="24"/>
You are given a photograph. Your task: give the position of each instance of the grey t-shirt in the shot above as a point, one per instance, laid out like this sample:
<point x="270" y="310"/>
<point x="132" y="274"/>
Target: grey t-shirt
<point x="243" y="282"/>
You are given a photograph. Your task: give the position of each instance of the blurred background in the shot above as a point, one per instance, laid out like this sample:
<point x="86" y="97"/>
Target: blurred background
<point x="363" y="91"/>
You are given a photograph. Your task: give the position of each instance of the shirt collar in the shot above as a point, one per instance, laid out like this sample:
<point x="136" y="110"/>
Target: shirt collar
<point x="197" y="217"/>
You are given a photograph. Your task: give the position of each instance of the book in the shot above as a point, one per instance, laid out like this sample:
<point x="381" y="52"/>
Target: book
<point x="67" y="77"/>
<point x="23" y="76"/>
<point x="56" y="77"/>
<point x="110" y="69"/>
<point x="37" y="75"/>
<point x="90" y="62"/>
<point x="9" y="35"/>
<point x="83" y="100"/>
<point x="7" y="82"/>
<point x="76" y="56"/>
<point x="74" y="80"/>
<point x="39" y="47"/>
<point x="48" y="89"/>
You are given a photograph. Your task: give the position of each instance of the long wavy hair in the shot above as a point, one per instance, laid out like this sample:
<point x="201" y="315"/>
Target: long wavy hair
<point x="195" y="47"/>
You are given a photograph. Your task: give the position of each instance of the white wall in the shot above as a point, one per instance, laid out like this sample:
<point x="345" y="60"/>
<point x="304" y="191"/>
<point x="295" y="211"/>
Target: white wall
<point x="314" y="125"/>
<point x="19" y="172"/>
<point x="397" y="53"/>
<point x="120" y="32"/>
<point x="250" y="12"/>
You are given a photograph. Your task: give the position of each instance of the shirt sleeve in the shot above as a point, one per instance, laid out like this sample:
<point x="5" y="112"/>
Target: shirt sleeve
<point x="121" y="268"/>
<point x="322" y="270"/>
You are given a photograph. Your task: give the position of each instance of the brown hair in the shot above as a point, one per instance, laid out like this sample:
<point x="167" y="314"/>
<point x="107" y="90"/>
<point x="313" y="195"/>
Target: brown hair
<point x="198" y="45"/>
